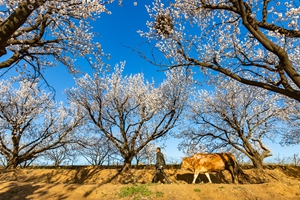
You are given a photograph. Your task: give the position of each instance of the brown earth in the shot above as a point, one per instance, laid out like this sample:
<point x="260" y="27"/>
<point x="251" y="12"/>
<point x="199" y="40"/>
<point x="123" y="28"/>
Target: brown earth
<point x="89" y="183"/>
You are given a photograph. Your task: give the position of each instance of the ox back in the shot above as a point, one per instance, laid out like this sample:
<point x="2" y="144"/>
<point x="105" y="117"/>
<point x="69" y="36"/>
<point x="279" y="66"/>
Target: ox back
<point x="216" y="162"/>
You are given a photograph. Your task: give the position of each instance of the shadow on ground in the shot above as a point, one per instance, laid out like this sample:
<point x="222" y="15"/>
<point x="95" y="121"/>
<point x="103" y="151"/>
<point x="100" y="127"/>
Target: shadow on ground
<point x="14" y="192"/>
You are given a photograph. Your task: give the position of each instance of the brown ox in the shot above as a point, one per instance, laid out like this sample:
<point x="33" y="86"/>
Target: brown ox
<point x="216" y="162"/>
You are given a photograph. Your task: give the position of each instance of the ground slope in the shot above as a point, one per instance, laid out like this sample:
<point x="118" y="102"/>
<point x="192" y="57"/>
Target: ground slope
<point x="89" y="183"/>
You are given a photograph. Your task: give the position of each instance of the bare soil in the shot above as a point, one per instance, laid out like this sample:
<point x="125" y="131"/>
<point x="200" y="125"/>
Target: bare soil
<point x="91" y="183"/>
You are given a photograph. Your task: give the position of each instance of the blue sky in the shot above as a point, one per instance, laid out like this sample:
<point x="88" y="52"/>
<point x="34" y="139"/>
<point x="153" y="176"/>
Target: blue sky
<point x="116" y="31"/>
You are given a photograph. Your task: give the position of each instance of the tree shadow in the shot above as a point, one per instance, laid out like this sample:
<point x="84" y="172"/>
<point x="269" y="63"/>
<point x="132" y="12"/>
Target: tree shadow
<point x="80" y="176"/>
<point x="291" y="171"/>
<point x="58" y="195"/>
<point x="84" y="174"/>
<point x="15" y="192"/>
<point x="114" y="177"/>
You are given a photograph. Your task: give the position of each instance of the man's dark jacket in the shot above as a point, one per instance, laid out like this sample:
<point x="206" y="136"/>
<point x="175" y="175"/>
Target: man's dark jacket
<point x="160" y="160"/>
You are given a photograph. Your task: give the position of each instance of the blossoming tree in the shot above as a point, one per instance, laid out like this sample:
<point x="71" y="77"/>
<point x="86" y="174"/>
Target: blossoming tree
<point x="41" y="31"/>
<point x="147" y="154"/>
<point x="31" y="122"/>
<point x="292" y="136"/>
<point x="97" y="149"/>
<point x="130" y="111"/>
<point x="255" y="42"/>
<point x="237" y="116"/>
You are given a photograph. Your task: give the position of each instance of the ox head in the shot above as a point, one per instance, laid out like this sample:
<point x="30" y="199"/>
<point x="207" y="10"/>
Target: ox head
<point x="186" y="164"/>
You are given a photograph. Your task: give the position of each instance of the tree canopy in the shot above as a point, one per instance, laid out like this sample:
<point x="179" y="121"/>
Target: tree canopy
<point x="237" y="116"/>
<point x="130" y="111"/>
<point x="252" y="41"/>
<point x="31" y="122"/>
<point x="40" y="32"/>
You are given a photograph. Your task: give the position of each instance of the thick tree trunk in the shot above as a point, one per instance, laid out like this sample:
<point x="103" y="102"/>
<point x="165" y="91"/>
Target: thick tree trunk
<point x="257" y="162"/>
<point x="127" y="164"/>
<point x="13" y="163"/>
<point x="15" y="21"/>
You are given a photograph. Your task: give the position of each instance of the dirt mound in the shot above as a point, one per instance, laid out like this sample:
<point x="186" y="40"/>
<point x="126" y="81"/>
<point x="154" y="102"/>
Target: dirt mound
<point x="95" y="183"/>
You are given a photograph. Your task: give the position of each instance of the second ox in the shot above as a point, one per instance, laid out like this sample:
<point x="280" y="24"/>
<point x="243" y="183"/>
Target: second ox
<point x="215" y="162"/>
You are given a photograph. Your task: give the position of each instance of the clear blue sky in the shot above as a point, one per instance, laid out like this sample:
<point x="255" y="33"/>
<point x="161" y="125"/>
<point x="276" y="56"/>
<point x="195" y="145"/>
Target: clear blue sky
<point x="115" y="31"/>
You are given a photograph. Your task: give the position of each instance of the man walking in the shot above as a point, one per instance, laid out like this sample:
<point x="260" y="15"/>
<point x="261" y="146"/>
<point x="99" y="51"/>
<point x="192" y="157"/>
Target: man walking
<point x="160" y="164"/>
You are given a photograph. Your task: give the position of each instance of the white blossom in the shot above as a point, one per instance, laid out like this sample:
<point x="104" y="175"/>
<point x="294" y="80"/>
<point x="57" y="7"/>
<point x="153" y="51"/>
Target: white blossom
<point x="59" y="28"/>
<point x="31" y="122"/>
<point x="129" y="110"/>
<point x="214" y="35"/>
<point x="237" y="116"/>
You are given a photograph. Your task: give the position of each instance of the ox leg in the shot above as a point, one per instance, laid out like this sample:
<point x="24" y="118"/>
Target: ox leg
<point x="208" y="177"/>
<point x="195" y="177"/>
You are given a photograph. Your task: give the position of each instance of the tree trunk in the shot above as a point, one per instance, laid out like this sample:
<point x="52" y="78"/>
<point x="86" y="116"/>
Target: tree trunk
<point x="127" y="164"/>
<point x="257" y="162"/>
<point x="13" y="163"/>
<point x="56" y="163"/>
<point x="14" y="22"/>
